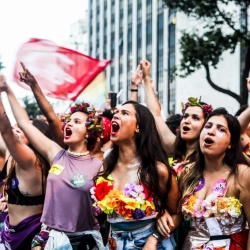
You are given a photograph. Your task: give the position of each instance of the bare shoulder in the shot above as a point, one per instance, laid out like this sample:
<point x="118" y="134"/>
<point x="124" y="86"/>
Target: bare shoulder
<point x="244" y="175"/>
<point x="162" y="169"/>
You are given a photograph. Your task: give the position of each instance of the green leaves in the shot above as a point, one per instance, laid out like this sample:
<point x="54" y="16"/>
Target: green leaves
<point x="31" y="107"/>
<point x="222" y="26"/>
<point x="204" y="49"/>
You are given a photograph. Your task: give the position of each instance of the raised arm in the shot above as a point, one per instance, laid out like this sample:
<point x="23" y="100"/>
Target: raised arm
<point x="22" y="154"/>
<point x="48" y="111"/>
<point x="136" y="79"/>
<point x="244" y="119"/>
<point x="167" y="137"/>
<point x="46" y="147"/>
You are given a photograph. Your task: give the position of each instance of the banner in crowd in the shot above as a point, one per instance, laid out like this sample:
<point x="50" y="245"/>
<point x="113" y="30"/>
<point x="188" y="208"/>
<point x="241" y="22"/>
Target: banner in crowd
<point x="61" y="73"/>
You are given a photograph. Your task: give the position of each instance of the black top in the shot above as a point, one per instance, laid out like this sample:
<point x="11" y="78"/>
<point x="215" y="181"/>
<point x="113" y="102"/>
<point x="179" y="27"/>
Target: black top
<point x="15" y="196"/>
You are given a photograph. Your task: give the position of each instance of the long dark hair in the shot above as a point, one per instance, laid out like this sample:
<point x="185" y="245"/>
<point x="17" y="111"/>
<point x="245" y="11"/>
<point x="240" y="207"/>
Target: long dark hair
<point x="41" y="162"/>
<point x="180" y="146"/>
<point x="233" y="155"/>
<point x="149" y="150"/>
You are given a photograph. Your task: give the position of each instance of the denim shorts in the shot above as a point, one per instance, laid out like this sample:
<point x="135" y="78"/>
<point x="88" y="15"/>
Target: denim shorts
<point x="131" y="240"/>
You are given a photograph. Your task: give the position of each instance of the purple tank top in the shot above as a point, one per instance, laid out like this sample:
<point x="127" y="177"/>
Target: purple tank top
<point x="68" y="205"/>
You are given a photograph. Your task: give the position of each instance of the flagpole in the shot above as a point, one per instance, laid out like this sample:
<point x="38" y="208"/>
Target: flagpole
<point x="68" y="106"/>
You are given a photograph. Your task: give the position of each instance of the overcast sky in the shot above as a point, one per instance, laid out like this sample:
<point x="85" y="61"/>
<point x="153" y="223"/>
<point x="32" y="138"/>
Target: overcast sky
<point x="21" y="20"/>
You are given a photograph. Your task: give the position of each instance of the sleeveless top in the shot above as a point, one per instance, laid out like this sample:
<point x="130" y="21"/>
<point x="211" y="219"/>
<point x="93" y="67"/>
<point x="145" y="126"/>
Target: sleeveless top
<point x="178" y="166"/>
<point x="214" y="219"/>
<point x="15" y="196"/>
<point x="68" y="204"/>
<point x="129" y="204"/>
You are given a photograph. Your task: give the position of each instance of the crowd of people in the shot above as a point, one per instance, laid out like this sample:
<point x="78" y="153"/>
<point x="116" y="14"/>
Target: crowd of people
<point x="124" y="178"/>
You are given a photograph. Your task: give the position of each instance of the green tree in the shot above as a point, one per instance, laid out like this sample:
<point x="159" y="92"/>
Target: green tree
<point x="31" y="106"/>
<point x="205" y="48"/>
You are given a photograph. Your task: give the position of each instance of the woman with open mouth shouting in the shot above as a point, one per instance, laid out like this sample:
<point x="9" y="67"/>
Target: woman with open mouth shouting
<point x="181" y="148"/>
<point x="68" y="217"/>
<point x="136" y="184"/>
<point x="216" y="189"/>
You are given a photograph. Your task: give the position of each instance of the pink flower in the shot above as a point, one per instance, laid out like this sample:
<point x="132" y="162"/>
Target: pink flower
<point x="199" y="208"/>
<point x="72" y="109"/>
<point x="207" y="109"/>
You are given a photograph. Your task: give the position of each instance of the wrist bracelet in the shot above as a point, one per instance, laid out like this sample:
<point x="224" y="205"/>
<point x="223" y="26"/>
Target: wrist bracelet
<point x="156" y="235"/>
<point x="134" y="90"/>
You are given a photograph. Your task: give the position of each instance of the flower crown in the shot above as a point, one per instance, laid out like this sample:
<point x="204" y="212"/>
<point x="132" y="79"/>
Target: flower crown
<point x="207" y="109"/>
<point x="83" y="107"/>
<point x="94" y="120"/>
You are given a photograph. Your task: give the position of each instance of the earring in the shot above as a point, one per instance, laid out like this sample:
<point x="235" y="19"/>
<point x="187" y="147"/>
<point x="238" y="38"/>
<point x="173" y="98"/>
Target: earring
<point x="137" y="129"/>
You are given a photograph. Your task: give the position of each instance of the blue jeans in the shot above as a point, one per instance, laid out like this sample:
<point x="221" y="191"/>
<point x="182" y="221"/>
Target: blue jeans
<point x="131" y="240"/>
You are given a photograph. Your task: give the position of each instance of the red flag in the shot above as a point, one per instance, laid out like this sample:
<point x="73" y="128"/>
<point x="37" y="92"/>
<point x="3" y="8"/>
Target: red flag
<point x="61" y="72"/>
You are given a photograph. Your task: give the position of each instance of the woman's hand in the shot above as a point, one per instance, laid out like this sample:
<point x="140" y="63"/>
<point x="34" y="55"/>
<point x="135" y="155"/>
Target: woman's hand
<point x="145" y="67"/>
<point x="27" y="77"/>
<point x="164" y="223"/>
<point x="136" y="76"/>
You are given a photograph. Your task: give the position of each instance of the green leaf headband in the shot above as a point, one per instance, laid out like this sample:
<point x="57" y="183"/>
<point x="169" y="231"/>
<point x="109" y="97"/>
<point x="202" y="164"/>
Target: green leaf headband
<point x="207" y="109"/>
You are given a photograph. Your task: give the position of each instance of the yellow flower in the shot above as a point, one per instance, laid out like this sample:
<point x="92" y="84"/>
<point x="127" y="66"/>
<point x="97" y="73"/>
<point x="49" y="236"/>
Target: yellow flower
<point x="146" y="205"/>
<point x="131" y="203"/>
<point x="222" y="204"/>
<point x="191" y="202"/>
<point x="170" y="161"/>
<point x="109" y="180"/>
<point x="110" y="202"/>
<point x="234" y="205"/>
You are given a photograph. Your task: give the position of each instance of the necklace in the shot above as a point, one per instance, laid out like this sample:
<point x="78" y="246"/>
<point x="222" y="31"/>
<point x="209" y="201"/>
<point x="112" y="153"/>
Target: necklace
<point x="78" y="154"/>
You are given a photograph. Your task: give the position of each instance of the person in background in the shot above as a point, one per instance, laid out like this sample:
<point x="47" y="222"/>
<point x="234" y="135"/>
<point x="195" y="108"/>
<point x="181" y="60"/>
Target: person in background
<point x="244" y="138"/>
<point x="68" y="217"/>
<point x="136" y="183"/>
<point x="24" y="175"/>
<point x="182" y="147"/>
<point x="216" y="189"/>
<point x="173" y="122"/>
<point x="4" y="155"/>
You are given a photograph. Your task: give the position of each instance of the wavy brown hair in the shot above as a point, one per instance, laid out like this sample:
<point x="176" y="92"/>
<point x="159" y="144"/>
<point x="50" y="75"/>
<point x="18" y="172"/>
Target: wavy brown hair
<point x="190" y="177"/>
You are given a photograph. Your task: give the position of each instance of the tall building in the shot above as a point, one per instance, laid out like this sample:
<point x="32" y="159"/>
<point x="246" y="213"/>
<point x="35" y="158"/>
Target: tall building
<point x="78" y="39"/>
<point x="129" y="30"/>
